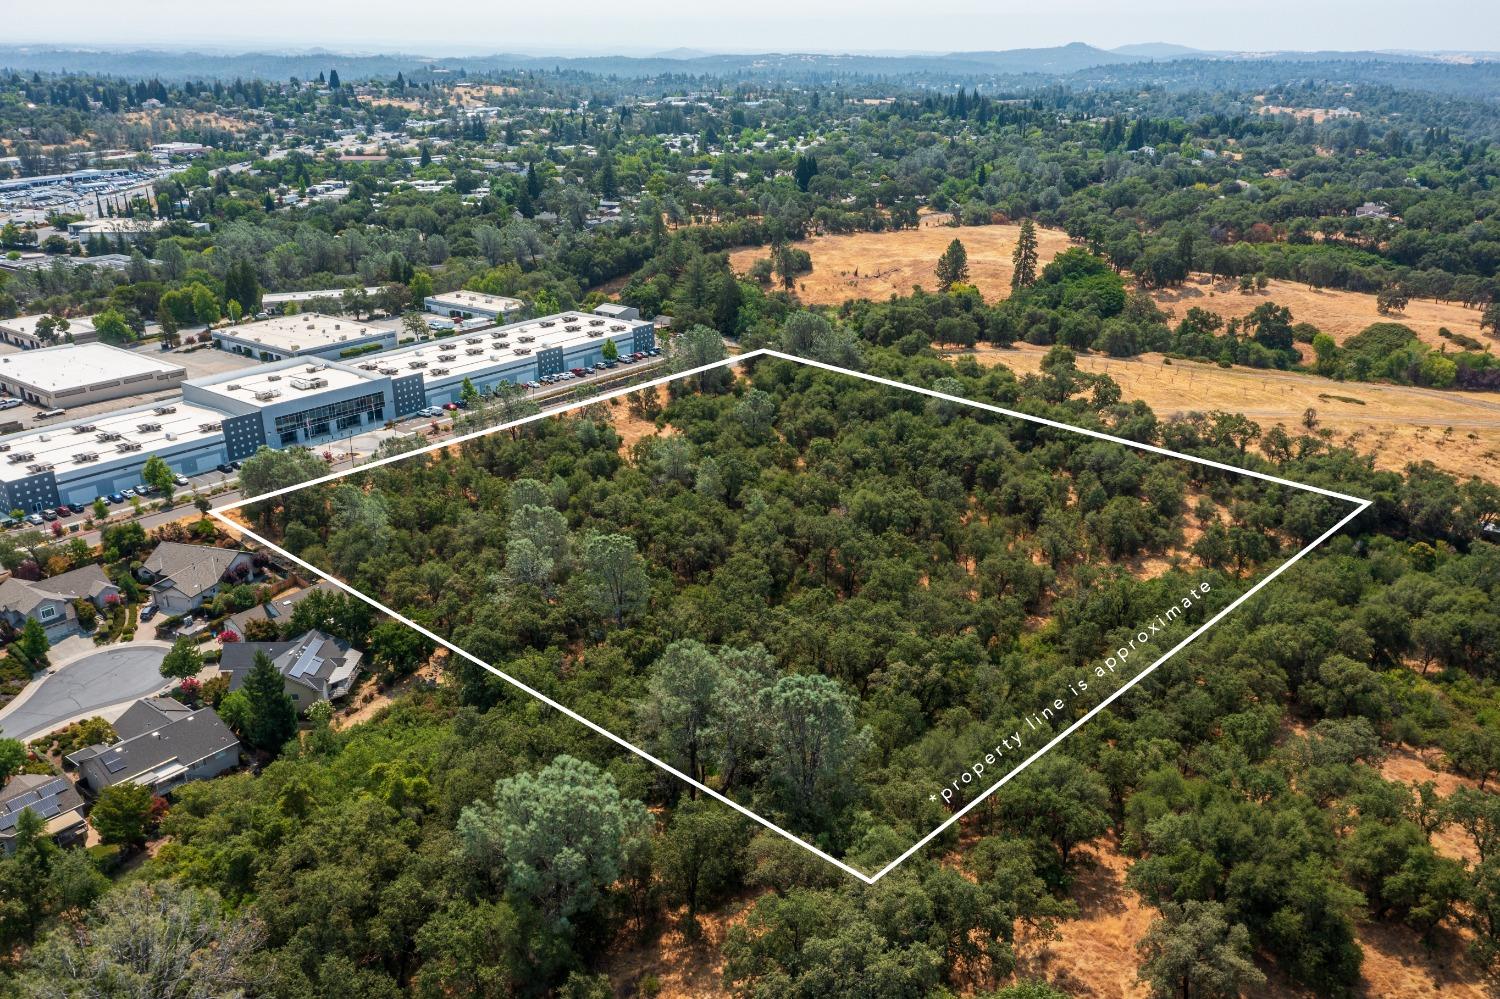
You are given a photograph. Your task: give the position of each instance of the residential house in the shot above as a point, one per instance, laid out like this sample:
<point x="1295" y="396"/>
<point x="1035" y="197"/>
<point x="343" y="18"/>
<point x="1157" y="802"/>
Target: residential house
<point x="53" y="799"/>
<point x="50" y="601"/>
<point x="162" y="744"/>
<point x="315" y="667"/>
<point x="1373" y="210"/>
<point x="184" y="577"/>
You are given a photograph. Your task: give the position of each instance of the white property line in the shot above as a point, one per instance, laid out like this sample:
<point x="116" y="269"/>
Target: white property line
<point x="221" y="512"/>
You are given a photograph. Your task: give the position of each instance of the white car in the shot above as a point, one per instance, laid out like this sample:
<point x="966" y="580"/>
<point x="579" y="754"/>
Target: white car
<point x="9" y="403"/>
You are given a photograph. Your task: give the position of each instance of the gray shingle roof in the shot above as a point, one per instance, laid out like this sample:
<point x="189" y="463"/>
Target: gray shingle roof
<point x="191" y="568"/>
<point x="312" y="660"/>
<point x="179" y="739"/>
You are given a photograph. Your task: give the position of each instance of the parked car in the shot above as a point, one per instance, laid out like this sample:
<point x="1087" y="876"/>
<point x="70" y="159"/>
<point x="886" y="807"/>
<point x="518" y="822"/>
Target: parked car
<point x="115" y="498"/>
<point x="49" y="515"/>
<point x="599" y="365"/>
<point x="9" y="403"/>
<point x="148" y="612"/>
<point x="234" y="465"/>
<point x="579" y="372"/>
<point x="76" y="508"/>
<point x="226" y="468"/>
<point x="451" y="407"/>
<point x="35" y="519"/>
<point x="127" y="492"/>
<point x="181" y="480"/>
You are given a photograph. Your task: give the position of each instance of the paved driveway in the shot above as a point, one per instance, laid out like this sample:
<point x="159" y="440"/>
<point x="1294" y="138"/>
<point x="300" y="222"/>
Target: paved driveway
<point x="84" y="685"/>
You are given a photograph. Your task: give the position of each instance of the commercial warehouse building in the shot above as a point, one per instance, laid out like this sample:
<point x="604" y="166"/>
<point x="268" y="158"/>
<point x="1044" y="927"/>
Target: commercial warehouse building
<point x="78" y="374"/>
<point x="473" y="304"/>
<point x="291" y="402"/>
<point x="22" y="331"/>
<point x="77" y="461"/>
<point x="277" y="301"/>
<point x="518" y="352"/>
<point x="309" y="334"/>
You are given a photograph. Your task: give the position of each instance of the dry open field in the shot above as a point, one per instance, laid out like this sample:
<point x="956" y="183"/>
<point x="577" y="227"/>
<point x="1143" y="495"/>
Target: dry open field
<point x="877" y="265"/>
<point x="1340" y="314"/>
<point x="1459" y="432"/>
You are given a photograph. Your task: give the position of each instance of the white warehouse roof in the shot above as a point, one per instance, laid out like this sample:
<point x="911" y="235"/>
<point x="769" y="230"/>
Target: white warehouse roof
<point x="98" y="441"/>
<point x="302" y="332"/>
<point x="52" y="370"/>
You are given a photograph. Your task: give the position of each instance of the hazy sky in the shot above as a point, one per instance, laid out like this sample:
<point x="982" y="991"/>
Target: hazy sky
<point x="640" y="26"/>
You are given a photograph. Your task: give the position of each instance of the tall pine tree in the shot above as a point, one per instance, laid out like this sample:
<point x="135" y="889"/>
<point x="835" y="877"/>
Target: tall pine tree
<point x="273" y="717"/>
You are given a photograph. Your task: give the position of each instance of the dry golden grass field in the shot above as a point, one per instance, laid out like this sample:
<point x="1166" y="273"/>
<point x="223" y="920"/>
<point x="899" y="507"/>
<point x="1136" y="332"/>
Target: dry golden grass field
<point x="877" y="265"/>
<point x="1459" y="432"/>
<point x="1340" y="314"/>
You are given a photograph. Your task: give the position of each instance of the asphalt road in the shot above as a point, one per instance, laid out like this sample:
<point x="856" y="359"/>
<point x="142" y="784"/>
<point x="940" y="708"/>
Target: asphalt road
<point x="95" y="681"/>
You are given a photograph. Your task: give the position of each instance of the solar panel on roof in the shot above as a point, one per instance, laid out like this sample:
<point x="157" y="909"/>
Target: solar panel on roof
<point x="20" y="801"/>
<point x="47" y="808"/>
<point x="114" y="763"/>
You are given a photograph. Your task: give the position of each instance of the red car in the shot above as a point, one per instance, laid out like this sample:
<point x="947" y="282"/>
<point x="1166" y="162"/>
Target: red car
<point x="579" y="372"/>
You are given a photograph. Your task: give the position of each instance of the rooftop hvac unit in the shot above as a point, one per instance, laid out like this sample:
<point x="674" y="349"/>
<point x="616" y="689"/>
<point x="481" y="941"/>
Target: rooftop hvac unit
<point x="17" y="457"/>
<point x="313" y="369"/>
<point x="4" y="448"/>
<point x="233" y="386"/>
<point x="474" y="350"/>
<point x="148" y="428"/>
<point x="497" y="335"/>
<point x="416" y="364"/>
<point x="525" y="339"/>
<point x="502" y="343"/>
<point x="266" y="395"/>
<point x="369" y="367"/>
<point x="596" y="322"/>
<point x="128" y="446"/>
<point x="209" y="428"/>
<point x="105" y="436"/>
<point x="617" y="328"/>
<point x="574" y="328"/>
<point x="570" y="319"/>
<point x="447" y="357"/>
<point x="273" y="378"/>
<point x="390" y="371"/>
<point x="164" y="410"/>
<point x="84" y="428"/>
<point x="523" y="350"/>
<point x="40" y="467"/>
<point x="440" y="371"/>
<point x="83" y="457"/>
<point x="171" y="436"/>
<point x="472" y="339"/>
<point x="309" y="383"/>
<point x="547" y="323"/>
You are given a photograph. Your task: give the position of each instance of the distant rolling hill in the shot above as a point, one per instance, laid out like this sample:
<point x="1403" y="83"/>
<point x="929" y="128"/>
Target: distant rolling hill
<point x="1053" y="63"/>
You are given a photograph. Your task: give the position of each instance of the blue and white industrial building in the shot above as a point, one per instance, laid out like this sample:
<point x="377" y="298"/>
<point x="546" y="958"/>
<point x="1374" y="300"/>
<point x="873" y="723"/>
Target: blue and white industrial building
<point x="295" y="401"/>
<point x="515" y="353"/>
